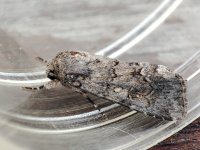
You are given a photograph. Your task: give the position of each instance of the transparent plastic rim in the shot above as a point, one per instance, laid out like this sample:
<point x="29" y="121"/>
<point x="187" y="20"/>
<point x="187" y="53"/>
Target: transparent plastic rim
<point x="141" y="31"/>
<point x="114" y="50"/>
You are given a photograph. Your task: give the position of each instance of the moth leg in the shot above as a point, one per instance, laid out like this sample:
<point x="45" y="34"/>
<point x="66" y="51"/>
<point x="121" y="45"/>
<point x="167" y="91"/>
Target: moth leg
<point x="91" y="101"/>
<point x="51" y="84"/>
<point x="33" y="88"/>
<point x="41" y="60"/>
<point x="84" y="94"/>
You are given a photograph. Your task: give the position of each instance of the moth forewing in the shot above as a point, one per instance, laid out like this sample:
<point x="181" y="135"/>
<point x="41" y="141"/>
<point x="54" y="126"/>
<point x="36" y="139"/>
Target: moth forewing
<point x="149" y="88"/>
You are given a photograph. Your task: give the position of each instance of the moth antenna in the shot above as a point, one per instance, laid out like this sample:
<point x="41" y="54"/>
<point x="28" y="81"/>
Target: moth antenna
<point x="33" y="88"/>
<point x="41" y="60"/>
<point x="91" y="101"/>
<point x="47" y="86"/>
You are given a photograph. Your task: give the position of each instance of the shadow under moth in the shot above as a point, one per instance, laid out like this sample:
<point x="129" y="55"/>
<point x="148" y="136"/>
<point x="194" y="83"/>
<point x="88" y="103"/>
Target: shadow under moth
<point x="148" y="88"/>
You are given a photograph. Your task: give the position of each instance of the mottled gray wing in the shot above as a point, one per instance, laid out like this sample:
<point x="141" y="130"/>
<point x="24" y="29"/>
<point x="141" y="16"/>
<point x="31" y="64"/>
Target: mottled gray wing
<point x="152" y="89"/>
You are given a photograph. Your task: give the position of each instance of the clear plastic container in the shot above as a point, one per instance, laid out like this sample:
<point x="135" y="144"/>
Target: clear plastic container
<point x="60" y="118"/>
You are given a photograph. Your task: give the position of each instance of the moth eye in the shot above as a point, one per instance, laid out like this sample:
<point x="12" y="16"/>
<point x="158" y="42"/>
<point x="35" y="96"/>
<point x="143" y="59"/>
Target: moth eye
<point x="51" y="71"/>
<point x="51" y="75"/>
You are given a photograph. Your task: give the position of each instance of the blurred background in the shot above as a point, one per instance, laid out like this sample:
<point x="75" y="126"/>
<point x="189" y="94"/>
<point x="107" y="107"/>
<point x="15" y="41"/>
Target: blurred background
<point x="60" y="118"/>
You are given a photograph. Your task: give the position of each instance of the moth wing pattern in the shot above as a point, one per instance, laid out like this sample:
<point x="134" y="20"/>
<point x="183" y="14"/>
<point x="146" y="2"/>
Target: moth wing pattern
<point x="148" y="88"/>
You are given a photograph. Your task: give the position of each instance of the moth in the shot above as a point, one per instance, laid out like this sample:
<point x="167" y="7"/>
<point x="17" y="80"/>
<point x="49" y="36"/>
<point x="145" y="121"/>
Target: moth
<point x="141" y="86"/>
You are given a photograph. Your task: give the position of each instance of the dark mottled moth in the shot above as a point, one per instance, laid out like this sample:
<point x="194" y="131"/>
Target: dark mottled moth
<point x="148" y="88"/>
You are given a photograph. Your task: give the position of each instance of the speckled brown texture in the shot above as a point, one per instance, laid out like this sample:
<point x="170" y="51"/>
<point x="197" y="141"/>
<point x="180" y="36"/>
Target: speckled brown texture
<point x="149" y="88"/>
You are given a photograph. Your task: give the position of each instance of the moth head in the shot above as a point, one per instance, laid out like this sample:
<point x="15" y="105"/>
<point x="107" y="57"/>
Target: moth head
<point x="65" y="63"/>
